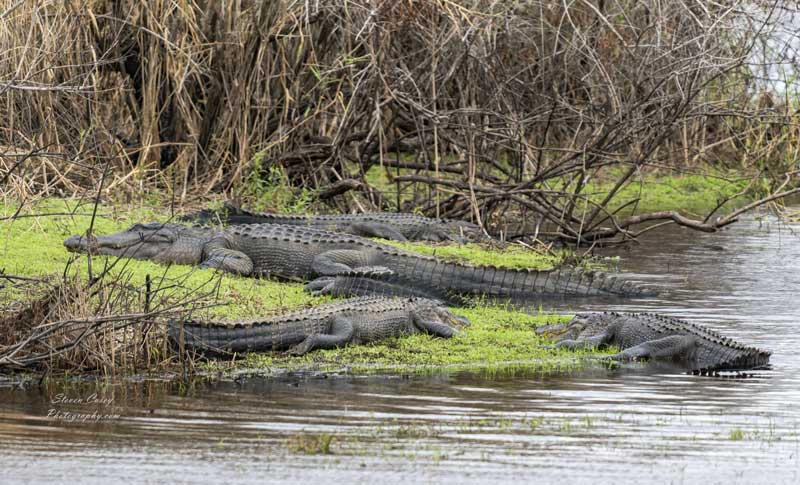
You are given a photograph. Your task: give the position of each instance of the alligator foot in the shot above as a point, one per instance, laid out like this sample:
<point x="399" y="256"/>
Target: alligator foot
<point x="341" y="333"/>
<point x="321" y="286"/>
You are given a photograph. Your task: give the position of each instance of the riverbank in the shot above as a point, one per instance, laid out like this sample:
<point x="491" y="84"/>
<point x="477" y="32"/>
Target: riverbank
<point x="32" y="247"/>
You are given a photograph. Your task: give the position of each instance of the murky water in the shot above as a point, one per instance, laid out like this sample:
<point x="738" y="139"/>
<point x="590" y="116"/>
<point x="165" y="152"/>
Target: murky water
<point x="623" y="425"/>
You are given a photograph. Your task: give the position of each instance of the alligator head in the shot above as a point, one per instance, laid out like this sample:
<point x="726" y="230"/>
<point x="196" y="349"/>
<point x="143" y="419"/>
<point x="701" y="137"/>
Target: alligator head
<point x="581" y="326"/>
<point x="168" y="243"/>
<point x="437" y="312"/>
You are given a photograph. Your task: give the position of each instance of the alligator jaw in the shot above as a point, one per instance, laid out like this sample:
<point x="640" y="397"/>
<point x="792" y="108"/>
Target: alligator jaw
<point x="100" y="244"/>
<point x="559" y="331"/>
<point x="140" y="241"/>
<point x="111" y="245"/>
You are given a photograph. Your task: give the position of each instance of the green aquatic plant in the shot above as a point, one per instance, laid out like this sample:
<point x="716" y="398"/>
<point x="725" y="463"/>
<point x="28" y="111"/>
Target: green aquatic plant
<point x="736" y="434"/>
<point x="319" y="444"/>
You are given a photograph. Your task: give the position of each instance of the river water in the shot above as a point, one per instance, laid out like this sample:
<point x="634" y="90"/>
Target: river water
<point x="629" y="424"/>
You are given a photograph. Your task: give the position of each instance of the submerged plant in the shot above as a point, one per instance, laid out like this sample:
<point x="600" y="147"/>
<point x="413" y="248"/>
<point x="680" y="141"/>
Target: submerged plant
<point x="318" y="444"/>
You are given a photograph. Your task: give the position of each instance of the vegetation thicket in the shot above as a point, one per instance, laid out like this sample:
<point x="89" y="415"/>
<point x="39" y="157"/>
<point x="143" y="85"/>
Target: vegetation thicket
<point x="490" y="111"/>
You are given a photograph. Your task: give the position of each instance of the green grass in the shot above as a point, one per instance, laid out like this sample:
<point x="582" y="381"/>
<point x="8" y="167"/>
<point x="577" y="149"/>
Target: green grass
<point x="656" y="191"/>
<point x="512" y="256"/>
<point x="33" y="247"/>
<point x="659" y="192"/>
<point x="498" y="337"/>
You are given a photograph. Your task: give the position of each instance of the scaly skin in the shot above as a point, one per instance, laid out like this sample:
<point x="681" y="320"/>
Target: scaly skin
<point x="386" y="225"/>
<point x="297" y="253"/>
<point x="352" y="321"/>
<point x="644" y="336"/>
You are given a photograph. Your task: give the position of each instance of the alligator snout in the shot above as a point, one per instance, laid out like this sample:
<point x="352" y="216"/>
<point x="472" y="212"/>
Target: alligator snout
<point x="93" y="244"/>
<point x="80" y="243"/>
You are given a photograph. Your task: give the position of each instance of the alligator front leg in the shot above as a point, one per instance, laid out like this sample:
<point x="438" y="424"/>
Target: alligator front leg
<point x="341" y="333"/>
<point x="366" y="280"/>
<point x="674" y="347"/>
<point x="228" y="260"/>
<point x="324" y="285"/>
<point x="344" y="261"/>
<point x="353" y="284"/>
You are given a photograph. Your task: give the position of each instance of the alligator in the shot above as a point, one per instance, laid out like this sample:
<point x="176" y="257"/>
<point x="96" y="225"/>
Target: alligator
<point x="296" y="253"/>
<point x="351" y="321"/>
<point x="386" y="225"/>
<point x="647" y="336"/>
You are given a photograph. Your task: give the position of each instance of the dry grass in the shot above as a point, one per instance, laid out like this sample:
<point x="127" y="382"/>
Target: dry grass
<point x="471" y="108"/>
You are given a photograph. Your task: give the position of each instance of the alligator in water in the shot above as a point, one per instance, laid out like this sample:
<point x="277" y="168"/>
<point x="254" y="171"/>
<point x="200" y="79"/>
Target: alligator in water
<point x="351" y="321"/>
<point x="386" y="225"/>
<point x="296" y="253"/>
<point x="644" y="336"/>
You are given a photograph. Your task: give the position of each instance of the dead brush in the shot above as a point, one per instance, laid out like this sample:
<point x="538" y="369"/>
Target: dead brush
<point x="107" y="325"/>
<point x="470" y="109"/>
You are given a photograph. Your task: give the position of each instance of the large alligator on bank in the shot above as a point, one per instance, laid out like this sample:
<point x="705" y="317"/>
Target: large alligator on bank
<point x="297" y="253"/>
<point x="386" y="225"/>
<point x="352" y="321"/>
<point x="645" y="336"/>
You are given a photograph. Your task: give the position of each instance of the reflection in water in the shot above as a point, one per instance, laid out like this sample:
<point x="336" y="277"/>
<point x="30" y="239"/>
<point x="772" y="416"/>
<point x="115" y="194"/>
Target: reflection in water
<point x="632" y="423"/>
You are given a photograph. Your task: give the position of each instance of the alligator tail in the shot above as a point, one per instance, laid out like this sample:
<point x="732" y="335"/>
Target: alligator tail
<point x="459" y="284"/>
<point x="219" y="339"/>
<point x="493" y="281"/>
<point x="232" y="214"/>
<point x="725" y="354"/>
<point x="740" y="357"/>
<point x="356" y="283"/>
<point x="205" y="216"/>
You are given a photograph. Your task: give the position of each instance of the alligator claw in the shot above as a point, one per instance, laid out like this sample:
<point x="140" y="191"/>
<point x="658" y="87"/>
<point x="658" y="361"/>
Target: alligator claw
<point x="321" y="286"/>
<point x="300" y="349"/>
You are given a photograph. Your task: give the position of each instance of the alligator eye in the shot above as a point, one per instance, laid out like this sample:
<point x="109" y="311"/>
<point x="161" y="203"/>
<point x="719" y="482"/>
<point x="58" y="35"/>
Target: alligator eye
<point x="141" y="236"/>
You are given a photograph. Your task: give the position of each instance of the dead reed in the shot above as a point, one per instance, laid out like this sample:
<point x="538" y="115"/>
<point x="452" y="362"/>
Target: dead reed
<point x="471" y="109"/>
